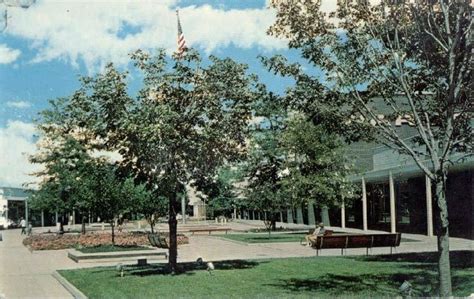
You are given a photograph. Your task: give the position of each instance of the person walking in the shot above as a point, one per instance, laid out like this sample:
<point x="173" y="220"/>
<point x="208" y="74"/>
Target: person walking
<point x="23" y="226"/>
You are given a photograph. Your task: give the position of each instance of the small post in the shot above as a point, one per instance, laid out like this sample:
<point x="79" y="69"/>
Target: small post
<point x="42" y="218"/>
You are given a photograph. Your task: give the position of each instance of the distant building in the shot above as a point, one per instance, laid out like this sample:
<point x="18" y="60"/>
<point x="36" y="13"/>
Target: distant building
<point x="12" y="206"/>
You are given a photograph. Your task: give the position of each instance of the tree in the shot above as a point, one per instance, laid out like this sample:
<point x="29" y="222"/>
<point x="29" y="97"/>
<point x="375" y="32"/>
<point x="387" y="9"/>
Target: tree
<point x="66" y="183"/>
<point x="114" y="196"/>
<point x="398" y="59"/>
<point x="317" y="169"/>
<point x="264" y="165"/>
<point x="223" y="193"/>
<point x="263" y="173"/>
<point x="187" y="121"/>
<point x="150" y="204"/>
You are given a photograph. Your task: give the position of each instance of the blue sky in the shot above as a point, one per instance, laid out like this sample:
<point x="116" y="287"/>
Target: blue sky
<point x="47" y="47"/>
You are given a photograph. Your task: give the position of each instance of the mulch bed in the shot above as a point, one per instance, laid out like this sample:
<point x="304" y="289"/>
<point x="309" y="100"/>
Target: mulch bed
<point x="90" y="239"/>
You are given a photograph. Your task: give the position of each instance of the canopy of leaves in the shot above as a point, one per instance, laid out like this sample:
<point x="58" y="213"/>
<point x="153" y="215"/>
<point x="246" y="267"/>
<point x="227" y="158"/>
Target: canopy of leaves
<point x="384" y="61"/>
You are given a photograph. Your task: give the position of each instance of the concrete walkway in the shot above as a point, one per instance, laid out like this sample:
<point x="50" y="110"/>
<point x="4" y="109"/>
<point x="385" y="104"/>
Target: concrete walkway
<point x="29" y="275"/>
<point x="25" y="274"/>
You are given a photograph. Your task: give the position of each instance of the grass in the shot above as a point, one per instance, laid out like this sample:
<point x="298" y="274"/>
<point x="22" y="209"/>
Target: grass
<point x="109" y="248"/>
<point x="327" y="277"/>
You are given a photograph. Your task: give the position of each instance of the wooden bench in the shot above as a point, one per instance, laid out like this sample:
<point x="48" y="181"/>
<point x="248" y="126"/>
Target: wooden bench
<point x="157" y="241"/>
<point x="357" y="241"/>
<point x="327" y="232"/>
<point x="209" y="229"/>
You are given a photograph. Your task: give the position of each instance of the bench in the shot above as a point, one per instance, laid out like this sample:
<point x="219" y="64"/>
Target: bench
<point x="327" y="232"/>
<point x="157" y="241"/>
<point x="209" y="229"/>
<point x="357" y="241"/>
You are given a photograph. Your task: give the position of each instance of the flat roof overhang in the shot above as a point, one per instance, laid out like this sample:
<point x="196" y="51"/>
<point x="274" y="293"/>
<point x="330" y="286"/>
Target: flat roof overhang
<point x="405" y="171"/>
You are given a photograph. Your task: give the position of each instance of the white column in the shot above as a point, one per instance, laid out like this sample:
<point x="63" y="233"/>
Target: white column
<point x="289" y="218"/>
<point x="56" y="218"/>
<point x="299" y="215"/>
<point x="311" y="216"/>
<point x="393" y="220"/>
<point x="73" y="222"/>
<point x="42" y="218"/>
<point x="183" y="208"/>
<point x="429" y="208"/>
<point x="281" y="216"/>
<point x="235" y="214"/>
<point x="343" y="216"/>
<point x="364" y="205"/>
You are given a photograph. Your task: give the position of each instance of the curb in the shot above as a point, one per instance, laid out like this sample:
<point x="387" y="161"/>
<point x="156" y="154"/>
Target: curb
<point x="68" y="286"/>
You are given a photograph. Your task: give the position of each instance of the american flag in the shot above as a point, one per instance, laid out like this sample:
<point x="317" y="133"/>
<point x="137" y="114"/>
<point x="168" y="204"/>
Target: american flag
<point x="181" y="40"/>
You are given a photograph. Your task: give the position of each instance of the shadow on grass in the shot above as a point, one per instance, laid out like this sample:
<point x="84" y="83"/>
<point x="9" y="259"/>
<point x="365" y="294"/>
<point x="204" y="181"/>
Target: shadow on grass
<point x="459" y="259"/>
<point x="189" y="268"/>
<point x="380" y="284"/>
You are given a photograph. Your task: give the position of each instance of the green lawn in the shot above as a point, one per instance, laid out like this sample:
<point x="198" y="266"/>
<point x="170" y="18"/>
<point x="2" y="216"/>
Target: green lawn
<point x="329" y="277"/>
<point x="265" y="238"/>
<point x="110" y="248"/>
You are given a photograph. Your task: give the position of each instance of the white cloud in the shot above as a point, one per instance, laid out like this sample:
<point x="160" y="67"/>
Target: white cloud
<point x="16" y="143"/>
<point x="18" y="104"/>
<point x="95" y="31"/>
<point x="8" y="55"/>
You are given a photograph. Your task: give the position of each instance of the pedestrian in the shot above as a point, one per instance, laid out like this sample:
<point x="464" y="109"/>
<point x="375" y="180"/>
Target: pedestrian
<point x="311" y="238"/>
<point x="23" y="226"/>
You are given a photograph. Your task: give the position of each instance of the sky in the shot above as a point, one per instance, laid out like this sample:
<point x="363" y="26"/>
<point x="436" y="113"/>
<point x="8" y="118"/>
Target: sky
<point x="46" y="47"/>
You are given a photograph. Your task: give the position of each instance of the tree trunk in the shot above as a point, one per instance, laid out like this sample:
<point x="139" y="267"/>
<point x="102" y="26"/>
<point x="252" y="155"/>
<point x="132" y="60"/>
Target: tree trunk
<point x="273" y="225"/>
<point x="444" y="265"/>
<point x="152" y="227"/>
<point x="112" y="224"/>
<point x="61" y="225"/>
<point x="83" y="225"/>
<point x="173" y="245"/>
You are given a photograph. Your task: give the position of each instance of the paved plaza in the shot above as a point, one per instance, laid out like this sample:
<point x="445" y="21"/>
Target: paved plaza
<point x="25" y="274"/>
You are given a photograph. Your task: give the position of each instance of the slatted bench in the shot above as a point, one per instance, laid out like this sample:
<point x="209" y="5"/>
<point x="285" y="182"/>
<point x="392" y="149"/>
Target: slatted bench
<point x="357" y="241"/>
<point x="209" y="229"/>
<point x="157" y="241"/>
<point x="327" y="232"/>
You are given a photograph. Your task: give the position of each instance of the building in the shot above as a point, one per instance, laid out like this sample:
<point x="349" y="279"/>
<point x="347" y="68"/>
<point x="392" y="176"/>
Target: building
<point x="12" y="206"/>
<point x="396" y="195"/>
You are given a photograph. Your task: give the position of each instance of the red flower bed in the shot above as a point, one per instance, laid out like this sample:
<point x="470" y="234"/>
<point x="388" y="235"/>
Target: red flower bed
<point x="55" y="242"/>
